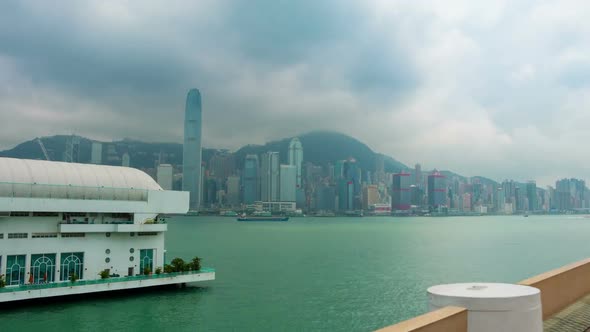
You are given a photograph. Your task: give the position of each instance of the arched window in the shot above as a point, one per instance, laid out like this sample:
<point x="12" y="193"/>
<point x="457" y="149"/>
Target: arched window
<point x="72" y="263"/>
<point x="15" y="269"/>
<point x="43" y="268"/>
<point x="146" y="260"/>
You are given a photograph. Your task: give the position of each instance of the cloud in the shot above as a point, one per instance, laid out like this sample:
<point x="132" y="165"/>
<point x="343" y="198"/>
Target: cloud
<point x="491" y="87"/>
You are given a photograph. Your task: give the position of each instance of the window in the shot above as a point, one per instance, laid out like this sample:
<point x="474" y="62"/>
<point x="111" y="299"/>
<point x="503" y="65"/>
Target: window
<point x="76" y="214"/>
<point x="72" y="263"/>
<point x="73" y="234"/>
<point x="45" y="214"/>
<point x="18" y="235"/>
<point x="146" y="260"/>
<point x="1" y="235"/>
<point x="19" y="214"/>
<point x="15" y="269"/>
<point x="43" y="268"/>
<point x="43" y="235"/>
<point x="147" y="233"/>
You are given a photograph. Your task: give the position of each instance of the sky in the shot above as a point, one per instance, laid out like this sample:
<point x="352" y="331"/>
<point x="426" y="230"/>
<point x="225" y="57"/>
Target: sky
<point x="495" y="88"/>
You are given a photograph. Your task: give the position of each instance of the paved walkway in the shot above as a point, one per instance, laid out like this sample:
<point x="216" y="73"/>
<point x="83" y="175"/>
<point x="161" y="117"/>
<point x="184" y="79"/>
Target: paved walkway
<point x="576" y="318"/>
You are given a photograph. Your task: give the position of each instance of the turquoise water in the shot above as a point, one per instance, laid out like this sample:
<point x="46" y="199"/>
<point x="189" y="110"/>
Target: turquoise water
<point x="324" y="274"/>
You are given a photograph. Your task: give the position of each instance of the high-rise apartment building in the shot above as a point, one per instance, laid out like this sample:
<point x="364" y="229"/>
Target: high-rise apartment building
<point x="191" y="152"/>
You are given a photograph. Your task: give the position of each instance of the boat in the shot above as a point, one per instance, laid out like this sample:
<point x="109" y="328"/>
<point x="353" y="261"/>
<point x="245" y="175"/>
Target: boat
<point x="262" y="218"/>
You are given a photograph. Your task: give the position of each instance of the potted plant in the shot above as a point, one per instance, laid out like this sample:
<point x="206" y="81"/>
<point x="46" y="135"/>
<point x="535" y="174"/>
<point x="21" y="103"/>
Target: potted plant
<point x="147" y="270"/>
<point x="158" y="270"/>
<point x="2" y="281"/>
<point x="104" y="274"/>
<point x="73" y="277"/>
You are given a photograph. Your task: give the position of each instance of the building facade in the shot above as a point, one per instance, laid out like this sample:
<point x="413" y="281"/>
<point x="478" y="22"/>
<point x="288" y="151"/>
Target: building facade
<point x="191" y="150"/>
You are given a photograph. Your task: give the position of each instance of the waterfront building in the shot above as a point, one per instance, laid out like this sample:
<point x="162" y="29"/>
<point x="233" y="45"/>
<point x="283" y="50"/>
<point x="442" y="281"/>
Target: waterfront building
<point x="401" y="196"/>
<point x="370" y="196"/>
<point x="288" y="183"/>
<point x="96" y="153"/>
<point x="275" y="207"/>
<point x="345" y="195"/>
<point x="222" y="165"/>
<point x="296" y="158"/>
<point x="65" y="221"/>
<point x="250" y="183"/>
<point x="165" y="175"/>
<point x="437" y="190"/>
<point x="191" y="150"/>
<point x="269" y="177"/>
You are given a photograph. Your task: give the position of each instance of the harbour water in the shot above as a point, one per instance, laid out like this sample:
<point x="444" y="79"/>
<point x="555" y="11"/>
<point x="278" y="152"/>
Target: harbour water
<point x="314" y="274"/>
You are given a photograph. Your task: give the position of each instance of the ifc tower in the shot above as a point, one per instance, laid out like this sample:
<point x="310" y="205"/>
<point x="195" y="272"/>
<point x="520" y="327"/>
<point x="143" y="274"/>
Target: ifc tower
<point x="191" y="151"/>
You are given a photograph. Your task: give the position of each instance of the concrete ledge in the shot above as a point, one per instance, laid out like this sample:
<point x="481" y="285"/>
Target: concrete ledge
<point x="561" y="287"/>
<point x="111" y="228"/>
<point x="451" y="319"/>
<point x="116" y="284"/>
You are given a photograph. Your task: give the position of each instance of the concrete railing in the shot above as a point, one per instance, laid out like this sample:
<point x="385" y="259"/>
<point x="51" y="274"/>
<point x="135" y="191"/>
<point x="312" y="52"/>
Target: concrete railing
<point x="445" y="319"/>
<point x="561" y="287"/>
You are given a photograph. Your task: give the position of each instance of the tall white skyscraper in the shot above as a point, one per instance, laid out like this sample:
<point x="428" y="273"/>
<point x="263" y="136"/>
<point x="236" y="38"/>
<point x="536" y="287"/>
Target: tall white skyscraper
<point x="96" y="153"/>
<point x="269" y="177"/>
<point x="288" y="186"/>
<point x="191" y="153"/>
<point x="164" y="175"/>
<point x="296" y="158"/>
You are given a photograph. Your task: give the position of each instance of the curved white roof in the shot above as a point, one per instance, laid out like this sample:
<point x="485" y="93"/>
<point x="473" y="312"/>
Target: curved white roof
<point x="40" y="178"/>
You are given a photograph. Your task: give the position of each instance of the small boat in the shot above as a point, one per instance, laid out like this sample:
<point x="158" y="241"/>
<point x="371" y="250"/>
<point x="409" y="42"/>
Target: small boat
<point x="262" y="218"/>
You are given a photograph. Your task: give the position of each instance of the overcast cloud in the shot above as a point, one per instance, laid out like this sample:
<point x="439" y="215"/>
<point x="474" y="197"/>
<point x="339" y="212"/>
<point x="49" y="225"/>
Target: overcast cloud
<point x="496" y="88"/>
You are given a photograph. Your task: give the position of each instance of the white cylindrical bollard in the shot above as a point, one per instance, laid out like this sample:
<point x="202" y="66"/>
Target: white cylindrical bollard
<point x="492" y="307"/>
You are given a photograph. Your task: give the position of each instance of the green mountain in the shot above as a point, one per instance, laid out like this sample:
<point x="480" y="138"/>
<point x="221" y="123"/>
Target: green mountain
<point x="320" y="148"/>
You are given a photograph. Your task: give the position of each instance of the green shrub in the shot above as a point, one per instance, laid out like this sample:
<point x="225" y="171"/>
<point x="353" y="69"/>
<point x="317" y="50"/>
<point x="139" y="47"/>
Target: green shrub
<point x="104" y="274"/>
<point x="73" y="277"/>
<point x="178" y="265"/>
<point x="168" y="268"/>
<point x="195" y="264"/>
<point x="158" y="270"/>
<point x="147" y="270"/>
<point x="2" y="281"/>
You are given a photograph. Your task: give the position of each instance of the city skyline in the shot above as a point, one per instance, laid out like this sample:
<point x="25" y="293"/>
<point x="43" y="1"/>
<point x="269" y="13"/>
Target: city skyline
<point x="462" y="86"/>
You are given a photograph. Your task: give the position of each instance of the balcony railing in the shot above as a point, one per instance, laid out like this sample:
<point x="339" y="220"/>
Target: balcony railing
<point x="29" y="287"/>
<point x="37" y="190"/>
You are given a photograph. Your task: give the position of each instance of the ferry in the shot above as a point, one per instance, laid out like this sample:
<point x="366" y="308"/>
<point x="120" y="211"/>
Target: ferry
<point x="243" y="217"/>
<point x="228" y="214"/>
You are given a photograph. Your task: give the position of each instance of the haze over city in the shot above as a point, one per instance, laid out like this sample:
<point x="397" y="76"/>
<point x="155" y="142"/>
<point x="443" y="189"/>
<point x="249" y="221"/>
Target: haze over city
<point x="488" y="88"/>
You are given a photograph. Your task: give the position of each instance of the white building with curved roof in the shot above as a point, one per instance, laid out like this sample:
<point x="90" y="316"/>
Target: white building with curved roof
<point x="59" y="220"/>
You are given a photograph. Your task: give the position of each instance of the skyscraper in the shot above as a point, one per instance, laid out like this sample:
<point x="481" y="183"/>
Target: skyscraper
<point x="250" y="184"/>
<point x="531" y="194"/>
<point x="269" y="177"/>
<point x="288" y="187"/>
<point x="164" y="176"/>
<point x="437" y="190"/>
<point x="401" y="196"/>
<point x="296" y="158"/>
<point x="191" y="153"/>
